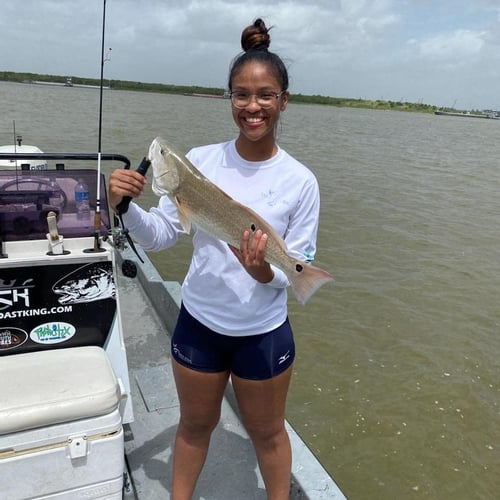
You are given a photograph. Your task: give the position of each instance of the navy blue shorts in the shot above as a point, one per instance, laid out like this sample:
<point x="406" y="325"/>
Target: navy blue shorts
<point x="254" y="357"/>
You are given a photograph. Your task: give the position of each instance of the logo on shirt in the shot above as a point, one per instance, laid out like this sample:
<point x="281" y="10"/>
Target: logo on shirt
<point x="271" y="197"/>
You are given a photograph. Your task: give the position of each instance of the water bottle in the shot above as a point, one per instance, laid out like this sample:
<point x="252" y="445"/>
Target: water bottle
<point x="82" y="200"/>
<point x="55" y="195"/>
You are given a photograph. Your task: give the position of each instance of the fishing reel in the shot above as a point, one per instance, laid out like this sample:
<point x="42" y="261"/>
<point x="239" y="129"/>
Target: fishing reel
<point x="121" y="234"/>
<point x="120" y="237"/>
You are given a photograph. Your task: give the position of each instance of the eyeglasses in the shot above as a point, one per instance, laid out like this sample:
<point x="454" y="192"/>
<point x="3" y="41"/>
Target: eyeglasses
<point x="265" y="100"/>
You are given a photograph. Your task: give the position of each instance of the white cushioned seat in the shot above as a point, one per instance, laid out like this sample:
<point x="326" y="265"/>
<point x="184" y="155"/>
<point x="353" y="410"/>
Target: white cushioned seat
<point x="54" y="386"/>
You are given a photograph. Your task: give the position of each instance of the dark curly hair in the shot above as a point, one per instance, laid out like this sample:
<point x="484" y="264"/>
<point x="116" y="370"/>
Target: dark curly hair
<point x="255" y="41"/>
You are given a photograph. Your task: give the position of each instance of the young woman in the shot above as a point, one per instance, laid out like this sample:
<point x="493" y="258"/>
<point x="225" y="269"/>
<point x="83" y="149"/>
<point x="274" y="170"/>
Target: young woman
<point x="233" y="321"/>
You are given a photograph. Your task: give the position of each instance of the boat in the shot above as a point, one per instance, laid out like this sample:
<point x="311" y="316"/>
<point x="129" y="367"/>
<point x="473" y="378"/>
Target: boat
<point x="89" y="408"/>
<point x="206" y="96"/>
<point x="67" y="83"/>
<point x="19" y="147"/>
<point x="489" y="115"/>
<point x="88" y="403"/>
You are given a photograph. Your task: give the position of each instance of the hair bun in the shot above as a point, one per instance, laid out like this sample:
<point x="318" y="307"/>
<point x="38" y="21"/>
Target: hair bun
<point x="255" y="37"/>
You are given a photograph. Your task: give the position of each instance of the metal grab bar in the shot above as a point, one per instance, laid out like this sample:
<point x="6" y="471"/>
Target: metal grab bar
<point x="66" y="156"/>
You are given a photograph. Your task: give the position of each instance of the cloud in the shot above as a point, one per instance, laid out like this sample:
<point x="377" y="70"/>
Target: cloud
<point x="458" y="46"/>
<point x="352" y="48"/>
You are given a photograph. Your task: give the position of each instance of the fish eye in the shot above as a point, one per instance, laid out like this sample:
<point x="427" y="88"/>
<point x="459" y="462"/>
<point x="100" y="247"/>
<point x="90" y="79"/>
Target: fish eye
<point x="299" y="268"/>
<point x="252" y="227"/>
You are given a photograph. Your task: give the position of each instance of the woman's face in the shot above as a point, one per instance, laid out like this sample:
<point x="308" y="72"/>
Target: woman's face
<point x="257" y="124"/>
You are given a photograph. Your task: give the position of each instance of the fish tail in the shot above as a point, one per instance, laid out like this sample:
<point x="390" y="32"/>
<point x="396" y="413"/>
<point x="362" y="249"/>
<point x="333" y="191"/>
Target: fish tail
<point x="307" y="281"/>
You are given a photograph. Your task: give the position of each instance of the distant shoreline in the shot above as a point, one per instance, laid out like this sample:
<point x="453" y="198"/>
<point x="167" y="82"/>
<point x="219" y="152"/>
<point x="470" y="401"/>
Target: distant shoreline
<point x="197" y="91"/>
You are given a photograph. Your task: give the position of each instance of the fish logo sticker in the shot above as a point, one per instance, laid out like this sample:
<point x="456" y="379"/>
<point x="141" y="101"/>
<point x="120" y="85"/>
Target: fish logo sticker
<point x="88" y="283"/>
<point x="52" y="333"/>
<point x="12" y="337"/>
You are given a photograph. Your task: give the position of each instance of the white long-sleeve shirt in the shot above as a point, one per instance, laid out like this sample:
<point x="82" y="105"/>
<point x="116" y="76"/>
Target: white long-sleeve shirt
<point x="217" y="290"/>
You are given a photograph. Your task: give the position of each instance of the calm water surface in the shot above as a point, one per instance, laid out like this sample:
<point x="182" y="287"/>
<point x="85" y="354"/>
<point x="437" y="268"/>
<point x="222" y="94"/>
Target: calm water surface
<point x="396" y="385"/>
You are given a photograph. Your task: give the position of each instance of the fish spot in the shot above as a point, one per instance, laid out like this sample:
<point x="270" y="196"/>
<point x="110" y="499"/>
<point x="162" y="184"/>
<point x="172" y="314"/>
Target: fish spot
<point x="252" y="227"/>
<point x="299" y="268"/>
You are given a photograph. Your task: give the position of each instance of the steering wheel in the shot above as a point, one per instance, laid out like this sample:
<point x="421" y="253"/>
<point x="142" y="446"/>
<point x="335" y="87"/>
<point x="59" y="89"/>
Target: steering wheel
<point x="40" y="182"/>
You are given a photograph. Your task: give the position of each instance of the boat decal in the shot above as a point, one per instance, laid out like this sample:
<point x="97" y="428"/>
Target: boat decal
<point x="12" y="337"/>
<point x="42" y="311"/>
<point x="52" y="333"/>
<point x="15" y="292"/>
<point x="88" y="283"/>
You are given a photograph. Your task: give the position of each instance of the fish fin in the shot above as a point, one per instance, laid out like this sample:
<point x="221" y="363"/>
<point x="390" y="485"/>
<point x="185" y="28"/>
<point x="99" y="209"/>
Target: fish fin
<point x="183" y="217"/>
<point x="307" y="280"/>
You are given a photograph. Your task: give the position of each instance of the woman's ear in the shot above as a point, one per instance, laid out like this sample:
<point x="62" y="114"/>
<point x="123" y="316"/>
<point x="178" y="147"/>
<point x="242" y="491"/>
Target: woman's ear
<point x="284" y="100"/>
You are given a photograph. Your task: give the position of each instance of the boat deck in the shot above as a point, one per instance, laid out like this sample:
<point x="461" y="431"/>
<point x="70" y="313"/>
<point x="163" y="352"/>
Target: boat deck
<point x="149" y="307"/>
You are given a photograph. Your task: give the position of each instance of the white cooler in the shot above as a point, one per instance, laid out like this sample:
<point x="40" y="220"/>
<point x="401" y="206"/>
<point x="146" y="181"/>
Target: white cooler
<point x="61" y="432"/>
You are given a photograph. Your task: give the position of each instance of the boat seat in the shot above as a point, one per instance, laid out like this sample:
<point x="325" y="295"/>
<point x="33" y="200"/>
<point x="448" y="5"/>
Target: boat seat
<point x="50" y="387"/>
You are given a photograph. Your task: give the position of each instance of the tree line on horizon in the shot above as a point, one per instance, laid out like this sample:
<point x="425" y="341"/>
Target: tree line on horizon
<point x="195" y="89"/>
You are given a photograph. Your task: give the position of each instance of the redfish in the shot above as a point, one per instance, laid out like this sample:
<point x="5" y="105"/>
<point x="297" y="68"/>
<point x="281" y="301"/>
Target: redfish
<point x="200" y="202"/>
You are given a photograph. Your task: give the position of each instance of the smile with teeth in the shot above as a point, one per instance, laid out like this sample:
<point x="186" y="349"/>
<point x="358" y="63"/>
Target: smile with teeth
<point x="255" y="119"/>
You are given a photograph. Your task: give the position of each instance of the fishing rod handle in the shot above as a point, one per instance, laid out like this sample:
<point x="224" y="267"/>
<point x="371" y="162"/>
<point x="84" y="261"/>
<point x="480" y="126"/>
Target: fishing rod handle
<point x="122" y="207"/>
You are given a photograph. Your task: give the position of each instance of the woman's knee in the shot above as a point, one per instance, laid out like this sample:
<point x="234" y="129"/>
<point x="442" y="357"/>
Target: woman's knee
<point x="266" y="431"/>
<point x="199" y="424"/>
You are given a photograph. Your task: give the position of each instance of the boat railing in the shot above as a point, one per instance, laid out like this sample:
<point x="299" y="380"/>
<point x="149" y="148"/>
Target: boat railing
<point x="66" y="156"/>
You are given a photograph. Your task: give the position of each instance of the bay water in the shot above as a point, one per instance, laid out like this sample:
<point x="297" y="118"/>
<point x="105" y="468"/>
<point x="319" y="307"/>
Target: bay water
<point x="396" y="386"/>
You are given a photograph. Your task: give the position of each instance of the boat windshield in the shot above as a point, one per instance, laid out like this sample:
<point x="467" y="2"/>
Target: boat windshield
<point x="27" y="197"/>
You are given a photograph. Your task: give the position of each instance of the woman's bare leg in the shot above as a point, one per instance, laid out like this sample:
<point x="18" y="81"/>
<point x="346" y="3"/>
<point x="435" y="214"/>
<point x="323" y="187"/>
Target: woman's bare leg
<point x="262" y="407"/>
<point x="200" y="396"/>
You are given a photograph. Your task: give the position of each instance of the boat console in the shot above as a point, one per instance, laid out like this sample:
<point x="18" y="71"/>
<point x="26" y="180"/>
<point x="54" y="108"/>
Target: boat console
<point x="57" y="269"/>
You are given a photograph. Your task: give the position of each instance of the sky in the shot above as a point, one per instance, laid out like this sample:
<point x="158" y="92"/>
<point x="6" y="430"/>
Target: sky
<point x="439" y="52"/>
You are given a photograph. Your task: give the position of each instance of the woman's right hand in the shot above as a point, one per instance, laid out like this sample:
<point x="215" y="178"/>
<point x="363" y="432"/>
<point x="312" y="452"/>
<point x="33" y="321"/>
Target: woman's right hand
<point x="122" y="183"/>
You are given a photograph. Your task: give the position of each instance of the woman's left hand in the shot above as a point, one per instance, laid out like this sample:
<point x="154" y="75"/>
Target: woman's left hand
<point x="252" y="254"/>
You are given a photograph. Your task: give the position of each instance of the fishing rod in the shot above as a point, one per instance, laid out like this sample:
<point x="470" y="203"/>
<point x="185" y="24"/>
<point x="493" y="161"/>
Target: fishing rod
<point x="97" y="216"/>
<point x="128" y="266"/>
<point x="15" y="142"/>
<point x="2" y="254"/>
